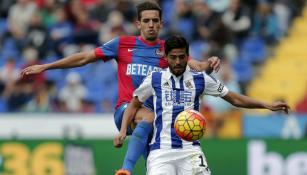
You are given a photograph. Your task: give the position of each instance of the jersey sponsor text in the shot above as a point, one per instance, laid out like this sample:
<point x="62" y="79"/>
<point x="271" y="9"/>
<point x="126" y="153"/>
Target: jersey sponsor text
<point x="141" y="69"/>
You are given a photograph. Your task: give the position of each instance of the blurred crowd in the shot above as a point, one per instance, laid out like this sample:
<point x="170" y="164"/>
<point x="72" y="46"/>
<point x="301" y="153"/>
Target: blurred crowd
<point x="241" y="33"/>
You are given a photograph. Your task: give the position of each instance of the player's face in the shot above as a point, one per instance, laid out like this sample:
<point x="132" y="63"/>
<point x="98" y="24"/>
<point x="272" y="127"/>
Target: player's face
<point x="177" y="60"/>
<point x="150" y="24"/>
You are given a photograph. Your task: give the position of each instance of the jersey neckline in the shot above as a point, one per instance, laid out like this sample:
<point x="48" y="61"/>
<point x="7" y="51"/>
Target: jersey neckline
<point x="149" y="43"/>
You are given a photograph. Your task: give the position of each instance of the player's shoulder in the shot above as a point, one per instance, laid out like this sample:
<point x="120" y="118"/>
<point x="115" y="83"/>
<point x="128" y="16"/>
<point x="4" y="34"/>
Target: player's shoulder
<point x="127" y="40"/>
<point x="123" y="38"/>
<point x="195" y="72"/>
<point x="202" y="75"/>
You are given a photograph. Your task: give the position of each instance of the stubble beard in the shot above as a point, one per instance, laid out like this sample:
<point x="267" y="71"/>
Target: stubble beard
<point x="177" y="73"/>
<point x="151" y="38"/>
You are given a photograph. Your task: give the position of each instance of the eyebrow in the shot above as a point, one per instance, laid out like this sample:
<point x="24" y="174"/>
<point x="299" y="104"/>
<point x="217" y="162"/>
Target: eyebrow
<point x="177" y="55"/>
<point x="151" y="18"/>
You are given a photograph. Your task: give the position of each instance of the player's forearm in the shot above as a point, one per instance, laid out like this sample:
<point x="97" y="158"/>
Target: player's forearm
<point x="75" y="60"/>
<point x="127" y="118"/>
<point x="129" y="114"/>
<point x="204" y="66"/>
<point x="197" y="65"/>
<point x="200" y="66"/>
<point x="243" y="101"/>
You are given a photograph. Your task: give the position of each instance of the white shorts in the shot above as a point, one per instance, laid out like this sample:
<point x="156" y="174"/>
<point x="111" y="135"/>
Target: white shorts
<point x="177" y="162"/>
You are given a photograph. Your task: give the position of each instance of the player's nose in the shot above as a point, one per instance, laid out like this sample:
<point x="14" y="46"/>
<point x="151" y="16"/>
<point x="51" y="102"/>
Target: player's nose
<point x="178" y="61"/>
<point x="151" y="23"/>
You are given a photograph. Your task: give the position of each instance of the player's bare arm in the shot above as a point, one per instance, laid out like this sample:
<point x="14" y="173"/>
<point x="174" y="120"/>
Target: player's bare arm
<point x="243" y="101"/>
<point x="128" y="117"/>
<point x="75" y="60"/>
<point x="213" y="63"/>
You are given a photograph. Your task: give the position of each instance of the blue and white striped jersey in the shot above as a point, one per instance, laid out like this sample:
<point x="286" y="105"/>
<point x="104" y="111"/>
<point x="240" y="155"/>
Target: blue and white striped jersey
<point x="172" y="95"/>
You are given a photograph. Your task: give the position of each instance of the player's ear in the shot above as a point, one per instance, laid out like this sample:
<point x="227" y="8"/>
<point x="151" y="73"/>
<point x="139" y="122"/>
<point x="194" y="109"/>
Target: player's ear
<point x="161" y="24"/>
<point x="138" y="24"/>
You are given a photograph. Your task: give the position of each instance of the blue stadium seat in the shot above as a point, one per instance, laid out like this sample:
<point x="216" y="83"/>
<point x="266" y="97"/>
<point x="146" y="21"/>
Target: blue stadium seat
<point x="50" y="58"/>
<point x="2" y="60"/>
<point x="168" y="12"/>
<point x="56" y="75"/>
<point x="96" y="89"/>
<point x="9" y="49"/>
<point x="3" y="105"/>
<point x="254" y="50"/>
<point x="9" y="43"/>
<point x="84" y="71"/>
<point x="186" y="27"/>
<point x="243" y="70"/>
<point x="95" y="95"/>
<point x="197" y="49"/>
<point x="3" y="26"/>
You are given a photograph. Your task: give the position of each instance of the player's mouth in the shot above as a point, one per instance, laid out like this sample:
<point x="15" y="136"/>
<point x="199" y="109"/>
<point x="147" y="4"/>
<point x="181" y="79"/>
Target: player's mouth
<point x="178" y="68"/>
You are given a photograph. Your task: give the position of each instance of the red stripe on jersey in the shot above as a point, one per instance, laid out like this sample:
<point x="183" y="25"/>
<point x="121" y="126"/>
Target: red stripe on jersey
<point x="163" y="63"/>
<point x="125" y="83"/>
<point x="99" y="54"/>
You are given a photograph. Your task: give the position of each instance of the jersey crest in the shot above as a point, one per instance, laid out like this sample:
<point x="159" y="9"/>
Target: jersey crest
<point x="159" y="53"/>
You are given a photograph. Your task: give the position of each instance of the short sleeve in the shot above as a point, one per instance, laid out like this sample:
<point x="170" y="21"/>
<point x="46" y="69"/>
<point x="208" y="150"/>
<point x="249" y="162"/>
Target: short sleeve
<point x="109" y="50"/>
<point x="145" y="90"/>
<point x="214" y="87"/>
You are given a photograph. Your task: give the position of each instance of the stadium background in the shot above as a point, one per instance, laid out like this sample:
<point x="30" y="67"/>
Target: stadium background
<point x="60" y="122"/>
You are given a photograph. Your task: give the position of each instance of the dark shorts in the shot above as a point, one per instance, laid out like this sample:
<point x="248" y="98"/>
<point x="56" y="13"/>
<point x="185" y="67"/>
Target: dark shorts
<point x="118" y="117"/>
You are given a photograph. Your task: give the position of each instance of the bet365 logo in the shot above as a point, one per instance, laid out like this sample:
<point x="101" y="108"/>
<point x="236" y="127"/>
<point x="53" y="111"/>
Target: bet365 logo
<point x="264" y="162"/>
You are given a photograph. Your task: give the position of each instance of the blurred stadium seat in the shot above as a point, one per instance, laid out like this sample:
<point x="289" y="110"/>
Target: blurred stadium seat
<point x="253" y="50"/>
<point x="284" y="75"/>
<point x="243" y="69"/>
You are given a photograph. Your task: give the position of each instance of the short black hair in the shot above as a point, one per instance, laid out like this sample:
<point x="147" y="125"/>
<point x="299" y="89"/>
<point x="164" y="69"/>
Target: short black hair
<point x="148" y="5"/>
<point x="176" y="42"/>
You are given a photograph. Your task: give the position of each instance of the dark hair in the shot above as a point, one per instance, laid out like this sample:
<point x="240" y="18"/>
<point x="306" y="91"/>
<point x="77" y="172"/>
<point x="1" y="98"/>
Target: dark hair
<point x="175" y="42"/>
<point x="148" y="5"/>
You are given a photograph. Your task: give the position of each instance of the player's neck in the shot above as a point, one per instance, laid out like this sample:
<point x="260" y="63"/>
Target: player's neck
<point x="149" y="42"/>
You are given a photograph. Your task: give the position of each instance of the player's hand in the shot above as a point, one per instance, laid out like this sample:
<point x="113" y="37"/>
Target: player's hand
<point x="280" y="106"/>
<point x="35" y="69"/>
<point x="119" y="140"/>
<point x="214" y="63"/>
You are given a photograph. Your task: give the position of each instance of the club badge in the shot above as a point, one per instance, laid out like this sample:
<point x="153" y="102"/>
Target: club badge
<point x="159" y="53"/>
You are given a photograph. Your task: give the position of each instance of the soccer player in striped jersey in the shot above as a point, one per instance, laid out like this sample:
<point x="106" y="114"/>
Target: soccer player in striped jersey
<point x="176" y="89"/>
<point x="136" y="56"/>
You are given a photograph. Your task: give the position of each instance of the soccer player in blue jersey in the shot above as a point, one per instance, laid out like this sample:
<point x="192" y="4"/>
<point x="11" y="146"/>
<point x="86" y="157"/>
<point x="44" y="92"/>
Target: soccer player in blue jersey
<point x="136" y="56"/>
<point x="176" y="89"/>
